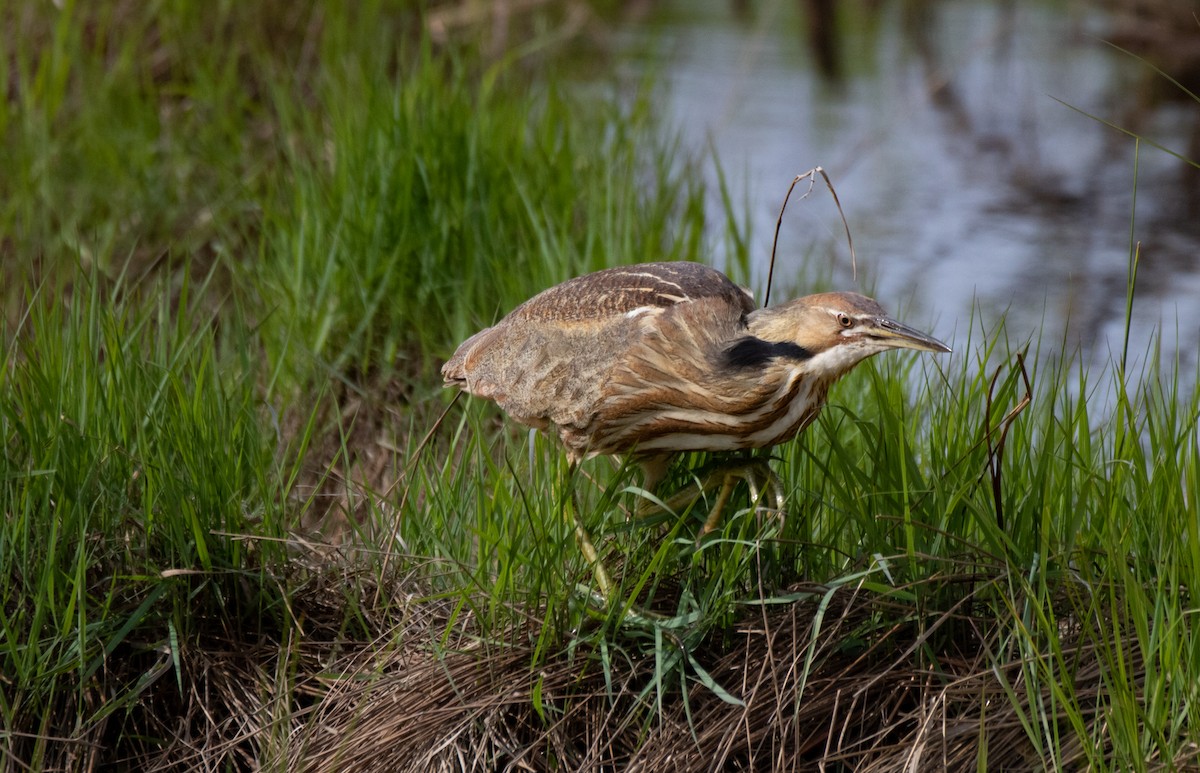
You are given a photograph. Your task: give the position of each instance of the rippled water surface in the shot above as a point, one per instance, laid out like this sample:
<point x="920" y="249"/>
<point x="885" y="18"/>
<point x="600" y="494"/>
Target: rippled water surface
<point x="967" y="181"/>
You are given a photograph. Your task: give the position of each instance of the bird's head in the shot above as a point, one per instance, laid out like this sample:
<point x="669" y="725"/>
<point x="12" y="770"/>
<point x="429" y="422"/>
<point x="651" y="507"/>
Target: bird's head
<point x="833" y="332"/>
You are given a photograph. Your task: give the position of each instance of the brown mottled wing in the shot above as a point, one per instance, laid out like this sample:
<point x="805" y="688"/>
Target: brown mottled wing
<point x="549" y="360"/>
<point x="620" y="290"/>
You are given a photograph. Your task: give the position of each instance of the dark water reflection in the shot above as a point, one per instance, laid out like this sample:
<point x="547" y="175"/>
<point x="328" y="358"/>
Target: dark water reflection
<point x="964" y="180"/>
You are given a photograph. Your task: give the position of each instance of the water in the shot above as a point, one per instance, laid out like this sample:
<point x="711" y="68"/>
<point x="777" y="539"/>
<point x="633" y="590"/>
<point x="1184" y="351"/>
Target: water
<point x="966" y="183"/>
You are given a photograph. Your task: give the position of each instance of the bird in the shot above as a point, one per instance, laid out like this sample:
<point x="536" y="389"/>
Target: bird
<point x="655" y="359"/>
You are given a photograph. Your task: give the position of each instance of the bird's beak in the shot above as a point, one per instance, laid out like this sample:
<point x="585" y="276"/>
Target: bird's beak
<point x="889" y="332"/>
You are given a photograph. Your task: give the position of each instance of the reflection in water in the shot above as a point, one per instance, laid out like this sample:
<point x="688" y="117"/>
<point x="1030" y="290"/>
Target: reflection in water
<point x="959" y="140"/>
<point x="823" y="38"/>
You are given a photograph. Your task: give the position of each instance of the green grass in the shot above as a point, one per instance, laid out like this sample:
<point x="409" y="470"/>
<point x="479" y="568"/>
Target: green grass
<point x="134" y="453"/>
<point x="433" y="206"/>
<point x="237" y="244"/>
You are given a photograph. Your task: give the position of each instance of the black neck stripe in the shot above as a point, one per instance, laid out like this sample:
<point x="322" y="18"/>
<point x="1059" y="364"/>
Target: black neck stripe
<point x="751" y="352"/>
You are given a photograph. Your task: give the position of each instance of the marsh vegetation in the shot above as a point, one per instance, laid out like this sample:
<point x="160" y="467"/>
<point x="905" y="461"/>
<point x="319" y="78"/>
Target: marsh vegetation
<point x="239" y="530"/>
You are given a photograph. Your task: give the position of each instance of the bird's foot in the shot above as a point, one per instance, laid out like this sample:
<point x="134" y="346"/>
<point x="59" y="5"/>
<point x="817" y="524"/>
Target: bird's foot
<point x="766" y="491"/>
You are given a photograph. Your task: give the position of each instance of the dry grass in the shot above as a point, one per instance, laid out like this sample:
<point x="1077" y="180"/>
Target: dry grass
<point x="823" y="686"/>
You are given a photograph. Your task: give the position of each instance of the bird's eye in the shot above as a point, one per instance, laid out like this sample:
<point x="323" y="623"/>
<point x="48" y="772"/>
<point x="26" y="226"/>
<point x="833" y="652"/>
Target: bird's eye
<point x="844" y="319"/>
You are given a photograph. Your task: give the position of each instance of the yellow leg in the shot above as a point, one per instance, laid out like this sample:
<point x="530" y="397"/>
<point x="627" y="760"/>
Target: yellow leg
<point x="584" y="540"/>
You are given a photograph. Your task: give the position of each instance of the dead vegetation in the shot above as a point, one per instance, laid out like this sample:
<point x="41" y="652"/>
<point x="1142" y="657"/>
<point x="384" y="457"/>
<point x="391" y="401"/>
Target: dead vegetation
<point x="828" y="682"/>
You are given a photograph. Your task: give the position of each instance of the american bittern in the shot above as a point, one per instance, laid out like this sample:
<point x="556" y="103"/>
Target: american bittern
<point x="659" y="358"/>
